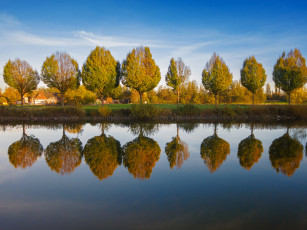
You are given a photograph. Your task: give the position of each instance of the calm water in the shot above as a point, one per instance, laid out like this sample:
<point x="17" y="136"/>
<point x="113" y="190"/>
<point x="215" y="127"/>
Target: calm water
<point x="147" y="176"/>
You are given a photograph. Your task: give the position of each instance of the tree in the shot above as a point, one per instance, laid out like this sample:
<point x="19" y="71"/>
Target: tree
<point x="253" y="75"/>
<point x="178" y="73"/>
<point x="65" y="155"/>
<point x="24" y="153"/>
<point x="214" y="151"/>
<point x="60" y="71"/>
<point x="21" y="76"/>
<point x="140" y="71"/>
<point x="177" y="151"/>
<point x="249" y="151"/>
<point x="216" y="76"/>
<point x="286" y="154"/>
<point x="103" y="154"/>
<point x="100" y="72"/>
<point x="290" y="72"/>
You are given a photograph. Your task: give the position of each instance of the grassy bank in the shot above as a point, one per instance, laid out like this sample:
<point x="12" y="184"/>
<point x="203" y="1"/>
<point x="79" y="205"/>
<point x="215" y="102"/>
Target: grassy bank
<point x="155" y="112"/>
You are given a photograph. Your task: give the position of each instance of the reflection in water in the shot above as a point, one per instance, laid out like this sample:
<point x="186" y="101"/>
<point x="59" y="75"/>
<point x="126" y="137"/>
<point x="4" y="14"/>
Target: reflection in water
<point x="214" y="151"/>
<point x="103" y="154"/>
<point x="177" y="151"/>
<point x="188" y="127"/>
<point x="74" y="128"/>
<point x="141" y="155"/>
<point x="64" y="156"/>
<point x="24" y="153"/>
<point x="286" y="154"/>
<point x="249" y="151"/>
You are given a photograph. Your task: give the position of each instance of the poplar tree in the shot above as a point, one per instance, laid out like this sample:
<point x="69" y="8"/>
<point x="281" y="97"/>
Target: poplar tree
<point x="21" y="76"/>
<point x="101" y="72"/>
<point x="290" y="72"/>
<point x="253" y="75"/>
<point x="60" y="71"/>
<point x="140" y="71"/>
<point x="178" y="73"/>
<point x="216" y="76"/>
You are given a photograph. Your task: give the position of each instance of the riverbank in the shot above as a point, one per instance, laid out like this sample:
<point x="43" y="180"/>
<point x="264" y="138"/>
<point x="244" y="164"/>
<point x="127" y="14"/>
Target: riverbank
<point x="189" y="113"/>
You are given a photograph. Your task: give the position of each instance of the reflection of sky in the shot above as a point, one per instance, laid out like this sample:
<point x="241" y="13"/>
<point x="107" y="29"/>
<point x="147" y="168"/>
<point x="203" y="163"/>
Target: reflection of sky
<point x="231" y="197"/>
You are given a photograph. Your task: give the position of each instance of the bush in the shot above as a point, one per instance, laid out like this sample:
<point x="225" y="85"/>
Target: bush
<point x="104" y="111"/>
<point x="187" y="109"/>
<point x="145" y="111"/>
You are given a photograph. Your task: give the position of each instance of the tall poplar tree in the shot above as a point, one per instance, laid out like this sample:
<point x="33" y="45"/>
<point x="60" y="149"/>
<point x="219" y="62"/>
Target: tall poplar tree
<point x="140" y="71"/>
<point x="178" y="73"/>
<point x="21" y="76"/>
<point x="100" y="72"/>
<point x="290" y="72"/>
<point x="253" y="75"/>
<point x="216" y="76"/>
<point x="60" y="71"/>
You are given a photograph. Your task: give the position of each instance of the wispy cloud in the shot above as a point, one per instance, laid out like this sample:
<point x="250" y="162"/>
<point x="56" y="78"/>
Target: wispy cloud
<point x="8" y="20"/>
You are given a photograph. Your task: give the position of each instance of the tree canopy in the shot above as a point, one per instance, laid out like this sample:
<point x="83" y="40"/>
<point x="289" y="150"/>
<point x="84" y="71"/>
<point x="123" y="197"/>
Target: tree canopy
<point x="140" y="71"/>
<point x="103" y="154"/>
<point x="65" y="155"/>
<point x="178" y="73"/>
<point x="216" y="76"/>
<point x="24" y="153"/>
<point x="290" y="72"/>
<point x="60" y="71"/>
<point x="100" y="72"/>
<point x="140" y="156"/>
<point x="253" y="75"/>
<point x="249" y="151"/>
<point x="21" y="76"/>
<point x="286" y="154"/>
<point x="214" y="151"/>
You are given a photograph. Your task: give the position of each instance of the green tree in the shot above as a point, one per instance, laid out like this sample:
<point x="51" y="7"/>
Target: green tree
<point x="141" y="154"/>
<point x="65" y="155"/>
<point x="249" y="151"/>
<point x="60" y="71"/>
<point x="140" y="71"/>
<point x="214" y="151"/>
<point x="216" y="76"/>
<point x="24" y="153"/>
<point x="177" y="151"/>
<point x="253" y="75"/>
<point x="100" y="72"/>
<point x="290" y="72"/>
<point x="21" y="76"/>
<point x="286" y="154"/>
<point x="103" y="154"/>
<point x="178" y="73"/>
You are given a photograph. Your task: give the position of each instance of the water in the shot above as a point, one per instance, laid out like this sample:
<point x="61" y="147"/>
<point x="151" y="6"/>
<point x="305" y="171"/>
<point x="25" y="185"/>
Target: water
<point x="123" y="177"/>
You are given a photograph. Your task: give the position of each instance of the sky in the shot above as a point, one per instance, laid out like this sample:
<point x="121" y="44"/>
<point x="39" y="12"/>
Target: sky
<point x="193" y="30"/>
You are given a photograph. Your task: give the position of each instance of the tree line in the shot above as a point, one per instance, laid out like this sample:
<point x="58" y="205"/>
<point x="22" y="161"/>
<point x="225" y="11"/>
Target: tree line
<point x="103" y="153"/>
<point x="102" y="75"/>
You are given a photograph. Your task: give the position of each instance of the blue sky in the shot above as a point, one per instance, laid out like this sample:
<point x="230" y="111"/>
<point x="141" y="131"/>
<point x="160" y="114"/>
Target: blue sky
<point x="192" y="30"/>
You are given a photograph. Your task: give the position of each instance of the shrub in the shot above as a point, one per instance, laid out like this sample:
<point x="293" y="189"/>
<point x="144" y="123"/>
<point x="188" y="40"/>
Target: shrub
<point x="187" y="109"/>
<point x="145" y="111"/>
<point x="104" y="111"/>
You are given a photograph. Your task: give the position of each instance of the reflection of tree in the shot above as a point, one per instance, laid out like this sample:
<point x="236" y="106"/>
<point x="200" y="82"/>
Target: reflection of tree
<point x="177" y="151"/>
<point x="143" y="128"/>
<point x="188" y="127"/>
<point x="64" y="156"/>
<point x="249" y="151"/>
<point x="214" y="151"/>
<point x="74" y="128"/>
<point x="286" y="154"/>
<point x="24" y="153"/>
<point x="140" y="156"/>
<point x="103" y="154"/>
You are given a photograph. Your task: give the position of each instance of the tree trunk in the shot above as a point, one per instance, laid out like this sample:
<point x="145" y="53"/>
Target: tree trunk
<point x="177" y="132"/>
<point x="215" y="100"/>
<point x="23" y="129"/>
<point x="141" y="101"/>
<point x="177" y="98"/>
<point x="253" y="98"/>
<point x="215" y="129"/>
<point x="289" y="99"/>
<point x="21" y="100"/>
<point x="101" y="101"/>
<point x="62" y="99"/>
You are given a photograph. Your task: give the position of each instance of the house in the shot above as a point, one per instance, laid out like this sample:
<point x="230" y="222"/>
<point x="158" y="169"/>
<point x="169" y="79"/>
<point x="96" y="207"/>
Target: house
<point x="43" y="99"/>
